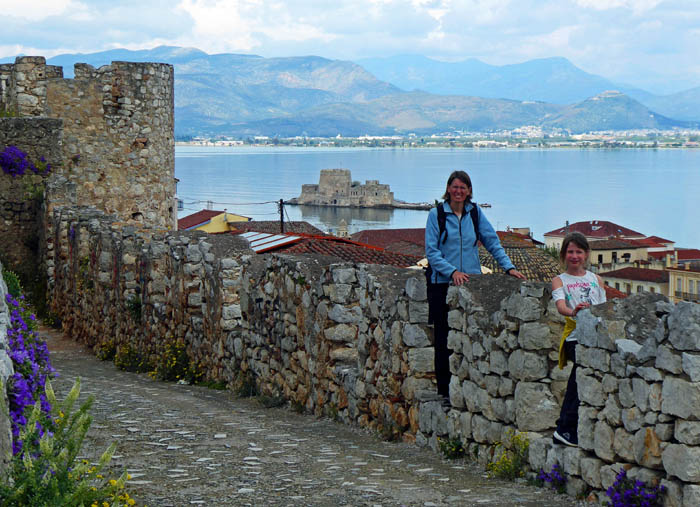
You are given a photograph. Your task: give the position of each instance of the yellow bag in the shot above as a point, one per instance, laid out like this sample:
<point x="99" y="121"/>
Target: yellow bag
<point x="568" y="328"/>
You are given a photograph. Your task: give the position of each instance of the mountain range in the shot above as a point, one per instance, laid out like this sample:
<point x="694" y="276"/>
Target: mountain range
<point x="247" y="95"/>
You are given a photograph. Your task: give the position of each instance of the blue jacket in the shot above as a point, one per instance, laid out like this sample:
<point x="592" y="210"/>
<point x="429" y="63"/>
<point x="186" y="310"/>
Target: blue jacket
<point x="458" y="251"/>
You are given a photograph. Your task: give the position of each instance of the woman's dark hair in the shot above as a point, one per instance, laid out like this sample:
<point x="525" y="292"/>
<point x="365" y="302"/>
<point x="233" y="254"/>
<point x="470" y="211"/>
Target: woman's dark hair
<point x="464" y="178"/>
<point x="577" y="239"/>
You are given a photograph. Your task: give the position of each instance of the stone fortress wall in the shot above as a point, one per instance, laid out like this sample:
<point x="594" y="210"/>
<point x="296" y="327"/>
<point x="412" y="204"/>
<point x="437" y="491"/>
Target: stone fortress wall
<point x="352" y="342"/>
<point x="336" y="188"/>
<point x="108" y="135"/>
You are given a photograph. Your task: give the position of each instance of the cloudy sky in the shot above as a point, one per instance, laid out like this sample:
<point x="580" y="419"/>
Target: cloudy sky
<point x="652" y="44"/>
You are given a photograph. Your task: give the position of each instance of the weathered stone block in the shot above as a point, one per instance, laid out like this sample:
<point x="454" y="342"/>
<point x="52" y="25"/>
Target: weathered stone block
<point x="590" y="471"/>
<point x="590" y="389"/>
<point x="415" y="336"/>
<point x="535" y="407"/>
<point x="647" y="448"/>
<point x="341" y="333"/>
<point x="527" y="366"/>
<point x="526" y="309"/>
<point x="691" y="366"/>
<point x="416" y="288"/>
<point x="418" y="312"/>
<point x="534" y="336"/>
<point x="684" y="326"/>
<point x="421" y="359"/>
<point x="687" y="432"/>
<point x="680" y="398"/>
<point x="341" y="314"/>
<point x="603" y="441"/>
<point x="682" y="461"/>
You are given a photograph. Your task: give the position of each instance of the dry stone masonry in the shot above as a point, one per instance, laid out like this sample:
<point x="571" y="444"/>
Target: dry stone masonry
<point x="6" y="371"/>
<point x="352" y="342"/>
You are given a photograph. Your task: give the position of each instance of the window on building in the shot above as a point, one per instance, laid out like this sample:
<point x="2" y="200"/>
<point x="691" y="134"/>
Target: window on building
<point x="617" y="285"/>
<point x="600" y="258"/>
<point x="628" y="288"/>
<point x="679" y="286"/>
<point x="652" y="290"/>
<point x="640" y="288"/>
<point x="614" y="256"/>
<point x="691" y="287"/>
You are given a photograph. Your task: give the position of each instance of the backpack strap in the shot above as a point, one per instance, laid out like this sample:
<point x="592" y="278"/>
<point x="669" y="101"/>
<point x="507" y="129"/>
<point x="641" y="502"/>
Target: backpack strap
<point x="442" y="222"/>
<point x="474" y="213"/>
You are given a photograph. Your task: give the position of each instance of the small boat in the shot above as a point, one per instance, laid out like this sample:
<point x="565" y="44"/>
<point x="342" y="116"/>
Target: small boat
<point x="485" y="205"/>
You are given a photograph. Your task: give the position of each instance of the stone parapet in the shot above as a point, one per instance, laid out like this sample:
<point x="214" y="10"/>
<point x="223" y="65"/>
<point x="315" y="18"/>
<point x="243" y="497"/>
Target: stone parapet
<point x="352" y="342"/>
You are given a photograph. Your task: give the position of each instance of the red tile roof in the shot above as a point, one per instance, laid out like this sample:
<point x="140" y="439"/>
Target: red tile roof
<point x="688" y="254"/>
<point x="693" y="268"/>
<point x="196" y="219"/>
<point x="613" y="293"/>
<point x="660" y="240"/>
<point x="505" y="235"/>
<point x="345" y="249"/>
<point x="273" y="227"/>
<point x="638" y="274"/>
<point x="614" y="244"/>
<point x="596" y="229"/>
<point x="647" y="242"/>
<point x="351" y="251"/>
<point x="406" y="241"/>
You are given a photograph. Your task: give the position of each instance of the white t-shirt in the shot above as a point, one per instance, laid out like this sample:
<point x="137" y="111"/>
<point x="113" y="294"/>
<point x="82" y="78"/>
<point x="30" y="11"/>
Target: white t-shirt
<point x="579" y="289"/>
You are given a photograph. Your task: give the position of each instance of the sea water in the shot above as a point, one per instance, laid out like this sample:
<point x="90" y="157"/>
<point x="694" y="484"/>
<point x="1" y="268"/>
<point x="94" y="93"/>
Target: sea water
<point x="652" y="191"/>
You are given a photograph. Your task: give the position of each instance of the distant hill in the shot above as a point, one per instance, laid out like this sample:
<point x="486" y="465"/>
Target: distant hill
<point x="554" y="80"/>
<point x="244" y="95"/>
<point x="609" y="110"/>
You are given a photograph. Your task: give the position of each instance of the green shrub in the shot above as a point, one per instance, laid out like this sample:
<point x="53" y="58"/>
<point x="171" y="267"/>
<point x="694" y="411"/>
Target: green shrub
<point x="451" y="448"/>
<point x="14" y="287"/>
<point x="512" y="459"/>
<point x="47" y="472"/>
<point x="174" y="364"/>
<point x="106" y="351"/>
<point x="133" y="305"/>
<point x="244" y="385"/>
<point x="128" y="358"/>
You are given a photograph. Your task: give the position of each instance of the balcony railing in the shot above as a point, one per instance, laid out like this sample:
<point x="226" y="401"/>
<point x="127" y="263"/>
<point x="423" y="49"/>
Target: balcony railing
<point x="687" y="296"/>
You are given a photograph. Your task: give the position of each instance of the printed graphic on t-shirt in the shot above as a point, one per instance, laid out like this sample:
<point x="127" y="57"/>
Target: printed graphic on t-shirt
<point x="584" y="290"/>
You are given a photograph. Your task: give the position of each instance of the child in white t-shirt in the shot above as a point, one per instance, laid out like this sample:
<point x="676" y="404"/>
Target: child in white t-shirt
<point x="572" y="291"/>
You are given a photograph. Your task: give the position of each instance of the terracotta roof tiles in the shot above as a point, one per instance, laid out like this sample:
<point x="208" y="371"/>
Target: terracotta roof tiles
<point x="638" y="274"/>
<point x="596" y="229"/>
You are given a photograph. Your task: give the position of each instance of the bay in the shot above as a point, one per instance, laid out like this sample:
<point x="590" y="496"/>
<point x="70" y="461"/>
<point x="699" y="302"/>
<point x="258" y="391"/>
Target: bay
<point x="654" y="192"/>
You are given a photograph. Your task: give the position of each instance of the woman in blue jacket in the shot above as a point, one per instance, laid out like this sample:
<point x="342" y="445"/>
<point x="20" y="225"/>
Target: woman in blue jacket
<point x="453" y="255"/>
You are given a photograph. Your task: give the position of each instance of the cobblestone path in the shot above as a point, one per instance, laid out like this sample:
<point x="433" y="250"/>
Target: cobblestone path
<point x="189" y="445"/>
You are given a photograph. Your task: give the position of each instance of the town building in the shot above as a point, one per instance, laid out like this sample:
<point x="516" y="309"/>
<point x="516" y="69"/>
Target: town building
<point x="630" y="280"/>
<point x="211" y="221"/>
<point x="592" y="230"/>
<point x="684" y="283"/>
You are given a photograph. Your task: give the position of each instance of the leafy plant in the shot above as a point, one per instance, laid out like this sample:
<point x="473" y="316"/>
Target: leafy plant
<point x="133" y="305"/>
<point x="451" y="448"/>
<point x="512" y="459"/>
<point x="128" y="358"/>
<point x="174" y="364"/>
<point x="628" y="493"/>
<point x="47" y="472"/>
<point x="244" y="385"/>
<point x="107" y="350"/>
<point x="14" y="286"/>
<point x="555" y="479"/>
<point x="30" y="358"/>
<point x="15" y="162"/>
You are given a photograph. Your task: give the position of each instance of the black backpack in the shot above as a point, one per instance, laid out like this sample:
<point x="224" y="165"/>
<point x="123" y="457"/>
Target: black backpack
<point x="442" y="220"/>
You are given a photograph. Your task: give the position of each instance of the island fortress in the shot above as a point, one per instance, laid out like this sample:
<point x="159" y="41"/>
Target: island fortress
<point x="336" y="188"/>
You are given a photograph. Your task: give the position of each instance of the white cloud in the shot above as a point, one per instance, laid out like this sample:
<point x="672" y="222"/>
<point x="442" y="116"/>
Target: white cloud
<point x="635" y="5"/>
<point x="37" y="10"/>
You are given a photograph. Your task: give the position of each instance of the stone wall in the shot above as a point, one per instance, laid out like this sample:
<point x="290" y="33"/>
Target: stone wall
<point x="118" y="138"/>
<point x="352" y="342"/>
<point x="6" y="371"/>
<point x="118" y="128"/>
<point x="20" y="204"/>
